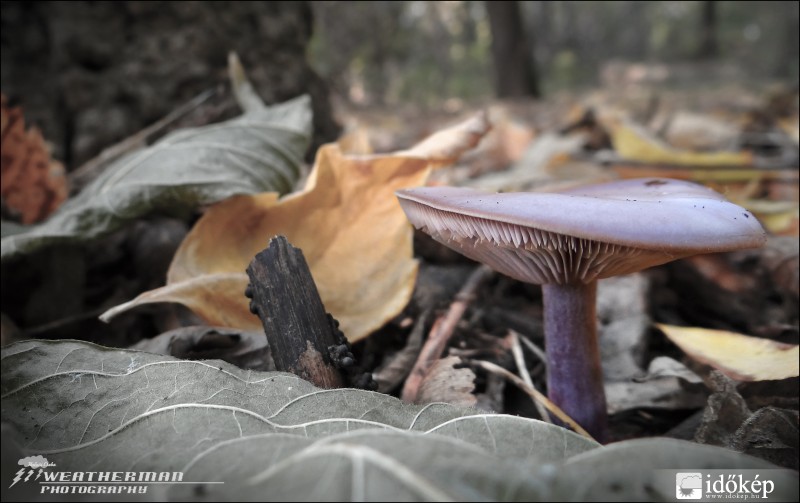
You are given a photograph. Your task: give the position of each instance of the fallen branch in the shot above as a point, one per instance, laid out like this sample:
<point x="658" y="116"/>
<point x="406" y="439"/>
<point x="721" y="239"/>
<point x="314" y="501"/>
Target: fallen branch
<point x="441" y="332"/>
<point x="302" y="337"/>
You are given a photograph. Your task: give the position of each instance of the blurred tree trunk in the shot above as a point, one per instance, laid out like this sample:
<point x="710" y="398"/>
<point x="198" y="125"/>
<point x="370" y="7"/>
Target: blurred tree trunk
<point x="708" y="47"/>
<point x="541" y="22"/>
<point x="512" y="52"/>
<point x="785" y="62"/>
<point x="92" y="73"/>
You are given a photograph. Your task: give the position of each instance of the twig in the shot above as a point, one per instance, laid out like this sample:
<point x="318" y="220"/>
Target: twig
<point x="80" y="177"/>
<point x="38" y="330"/>
<point x="519" y="359"/>
<point x="535" y="395"/>
<point x="441" y="332"/>
<point x="391" y="375"/>
<point x="539" y="352"/>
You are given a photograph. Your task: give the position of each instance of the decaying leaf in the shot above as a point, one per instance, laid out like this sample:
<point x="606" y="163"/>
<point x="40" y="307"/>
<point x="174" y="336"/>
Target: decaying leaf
<point x="347" y="222"/>
<point x="31" y="183"/>
<point x="446" y="383"/>
<point x="739" y="356"/>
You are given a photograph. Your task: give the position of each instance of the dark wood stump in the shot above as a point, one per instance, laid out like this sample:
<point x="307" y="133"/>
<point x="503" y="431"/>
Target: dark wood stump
<point x="303" y="338"/>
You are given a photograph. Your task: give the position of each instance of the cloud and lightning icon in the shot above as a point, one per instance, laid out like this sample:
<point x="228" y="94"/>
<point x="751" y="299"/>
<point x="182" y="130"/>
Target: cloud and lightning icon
<point x="32" y="465"/>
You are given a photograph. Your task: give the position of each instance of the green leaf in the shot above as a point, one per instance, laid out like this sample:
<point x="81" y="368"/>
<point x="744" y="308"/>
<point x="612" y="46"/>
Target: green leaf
<point x="273" y="436"/>
<point x="259" y="151"/>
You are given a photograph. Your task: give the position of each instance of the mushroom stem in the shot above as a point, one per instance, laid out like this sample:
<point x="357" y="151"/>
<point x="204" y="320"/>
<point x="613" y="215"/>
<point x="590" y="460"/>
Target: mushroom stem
<point x="574" y="374"/>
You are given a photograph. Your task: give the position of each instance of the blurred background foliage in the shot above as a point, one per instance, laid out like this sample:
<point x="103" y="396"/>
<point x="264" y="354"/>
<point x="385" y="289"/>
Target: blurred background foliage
<point x="426" y="52"/>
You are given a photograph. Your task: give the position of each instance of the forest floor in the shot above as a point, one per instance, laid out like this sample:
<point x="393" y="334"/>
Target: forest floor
<point x="654" y="387"/>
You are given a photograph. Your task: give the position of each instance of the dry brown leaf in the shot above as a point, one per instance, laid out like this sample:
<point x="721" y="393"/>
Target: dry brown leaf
<point x="347" y="222"/>
<point x="31" y="183"/>
<point x="512" y="140"/>
<point x="738" y="356"/>
<point x="542" y="164"/>
<point x="444" y="147"/>
<point x="446" y="383"/>
<point x="211" y="296"/>
<point x="695" y="131"/>
<point x="502" y="147"/>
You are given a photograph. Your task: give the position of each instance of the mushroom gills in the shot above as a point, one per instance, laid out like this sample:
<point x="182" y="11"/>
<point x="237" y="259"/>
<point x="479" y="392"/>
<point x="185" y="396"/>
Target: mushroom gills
<point x="529" y="254"/>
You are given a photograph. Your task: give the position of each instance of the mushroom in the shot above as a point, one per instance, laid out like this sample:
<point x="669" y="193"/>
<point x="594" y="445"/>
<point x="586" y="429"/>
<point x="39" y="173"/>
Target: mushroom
<point x="566" y="241"/>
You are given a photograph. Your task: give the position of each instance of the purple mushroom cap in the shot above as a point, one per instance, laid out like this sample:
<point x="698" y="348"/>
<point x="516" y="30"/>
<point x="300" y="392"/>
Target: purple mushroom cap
<point x="584" y="234"/>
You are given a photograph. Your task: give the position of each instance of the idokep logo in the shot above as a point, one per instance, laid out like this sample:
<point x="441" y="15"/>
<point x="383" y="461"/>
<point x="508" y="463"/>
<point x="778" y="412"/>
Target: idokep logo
<point x="730" y="485"/>
<point x="689" y="486"/>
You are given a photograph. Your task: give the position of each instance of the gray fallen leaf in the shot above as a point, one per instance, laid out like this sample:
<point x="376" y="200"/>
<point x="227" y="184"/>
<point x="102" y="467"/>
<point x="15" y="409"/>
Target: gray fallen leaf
<point x="622" y="310"/>
<point x="89" y="408"/>
<point x="725" y="411"/>
<point x="666" y="393"/>
<point x="664" y="366"/>
<point x="769" y="433"/>
<point x="273" y="436"/>
<point x="629" y="471"/>
<point x="260" y="151"/>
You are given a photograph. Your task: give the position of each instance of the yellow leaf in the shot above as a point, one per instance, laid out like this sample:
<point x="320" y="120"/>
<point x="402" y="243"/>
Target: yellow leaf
<point x="347" y="221"/>
<point x="634" y="144"/>
<point x="779" y="217"/>
<point x="738" y="356"/>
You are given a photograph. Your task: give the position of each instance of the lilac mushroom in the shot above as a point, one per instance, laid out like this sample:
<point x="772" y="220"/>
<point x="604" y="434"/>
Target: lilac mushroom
<point x="566" y="241"/>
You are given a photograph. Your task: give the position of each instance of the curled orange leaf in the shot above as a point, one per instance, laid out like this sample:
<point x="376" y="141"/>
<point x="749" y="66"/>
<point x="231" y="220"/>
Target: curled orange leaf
<point x="347" y="222"/>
